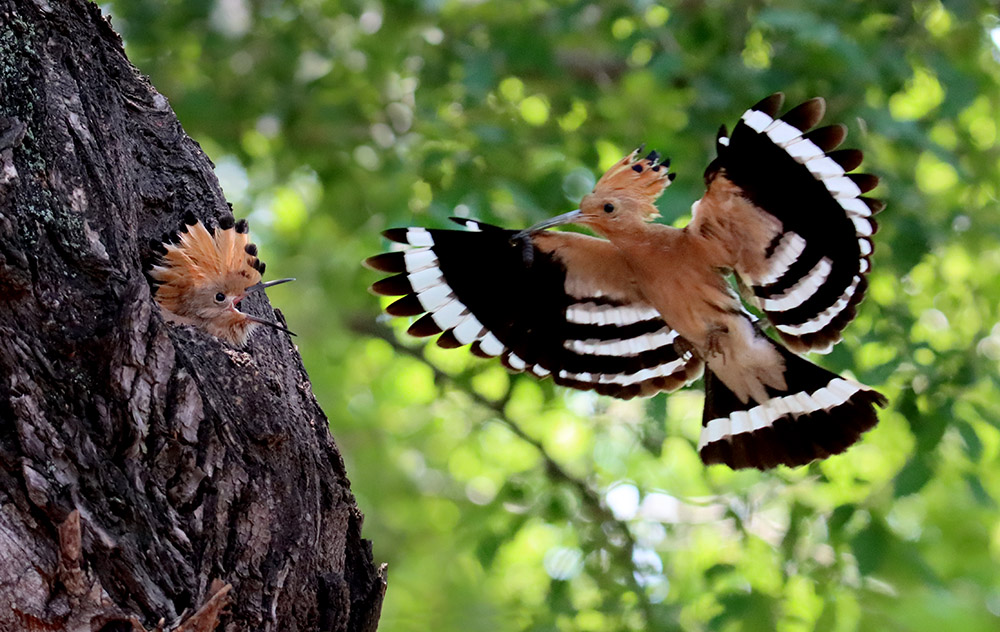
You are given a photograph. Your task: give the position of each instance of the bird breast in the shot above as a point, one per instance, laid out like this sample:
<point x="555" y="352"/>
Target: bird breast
<point x="684" y="285"/>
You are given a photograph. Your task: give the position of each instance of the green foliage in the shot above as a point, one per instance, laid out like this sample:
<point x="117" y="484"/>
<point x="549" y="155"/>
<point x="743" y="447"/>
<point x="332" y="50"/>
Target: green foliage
<point x="502" y="503"/>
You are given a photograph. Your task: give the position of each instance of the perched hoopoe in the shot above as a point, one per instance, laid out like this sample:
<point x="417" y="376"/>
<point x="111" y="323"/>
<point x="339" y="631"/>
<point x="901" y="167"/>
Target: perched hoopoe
<point x="201" y="279"/>
<point x="651" y="307"/>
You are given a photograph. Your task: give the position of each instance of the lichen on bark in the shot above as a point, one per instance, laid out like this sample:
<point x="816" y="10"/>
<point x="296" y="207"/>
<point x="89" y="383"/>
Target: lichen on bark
<point x="147" y="472"/>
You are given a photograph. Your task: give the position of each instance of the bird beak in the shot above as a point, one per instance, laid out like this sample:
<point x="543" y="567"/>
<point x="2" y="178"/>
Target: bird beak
<point x="269" y="323"/>
<point x="262" y="286"/>
<point x="558" y="220"/>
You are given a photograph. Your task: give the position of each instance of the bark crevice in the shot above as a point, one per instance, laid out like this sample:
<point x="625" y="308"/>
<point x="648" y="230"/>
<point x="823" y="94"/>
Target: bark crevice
<point x="148" y="472"/>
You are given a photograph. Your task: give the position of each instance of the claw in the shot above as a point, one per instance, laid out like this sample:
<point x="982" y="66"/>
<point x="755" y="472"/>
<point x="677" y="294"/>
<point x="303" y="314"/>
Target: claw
<point x="713" y="341"/>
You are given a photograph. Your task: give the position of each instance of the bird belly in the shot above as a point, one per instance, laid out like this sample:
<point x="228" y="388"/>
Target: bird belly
<point x="703" y="309"/>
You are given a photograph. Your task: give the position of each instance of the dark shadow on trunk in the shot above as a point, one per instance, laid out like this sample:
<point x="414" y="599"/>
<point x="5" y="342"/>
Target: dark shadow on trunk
<point x="147" y="471"/>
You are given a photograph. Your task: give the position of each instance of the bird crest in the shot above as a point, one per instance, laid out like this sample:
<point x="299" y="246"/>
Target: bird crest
<point x="644" y="179"/>
<point x="650" y="308"/>
<point x="202" y="276"/>
<point x="202" y="258"/>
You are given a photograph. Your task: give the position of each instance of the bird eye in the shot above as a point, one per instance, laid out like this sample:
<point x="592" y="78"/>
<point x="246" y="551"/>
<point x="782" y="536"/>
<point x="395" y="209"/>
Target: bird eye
<point x="609" y="207"/>
<point x="220" y="297"/>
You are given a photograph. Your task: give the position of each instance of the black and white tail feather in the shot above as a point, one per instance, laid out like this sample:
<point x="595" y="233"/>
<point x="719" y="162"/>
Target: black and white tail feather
<point x="817" y="415"/>
<point x="508" y="297"/>
<point x="819" y="264"/>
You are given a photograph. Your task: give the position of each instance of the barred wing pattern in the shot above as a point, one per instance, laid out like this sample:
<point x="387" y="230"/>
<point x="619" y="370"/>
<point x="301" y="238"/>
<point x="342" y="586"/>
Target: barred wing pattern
<point x="518" y="299"/>
<point x="820" y="259"/>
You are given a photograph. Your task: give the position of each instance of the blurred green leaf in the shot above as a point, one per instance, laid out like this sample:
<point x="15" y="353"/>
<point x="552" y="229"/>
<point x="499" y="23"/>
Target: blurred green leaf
<point x="331" y="121"/>
<point x="913" y="476"/>
<point x="871" y="547"/>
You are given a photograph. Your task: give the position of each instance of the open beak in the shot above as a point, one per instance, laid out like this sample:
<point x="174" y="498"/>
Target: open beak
<point x="269" y="323"/>
<point x="260" y="287"/>
<point x="264" y="286"/>
<point x="558" y="220"/>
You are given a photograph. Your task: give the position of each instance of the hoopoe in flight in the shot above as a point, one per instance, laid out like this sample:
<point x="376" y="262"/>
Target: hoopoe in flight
<point x="650" y="307"/>
<point x="201" y="279"/>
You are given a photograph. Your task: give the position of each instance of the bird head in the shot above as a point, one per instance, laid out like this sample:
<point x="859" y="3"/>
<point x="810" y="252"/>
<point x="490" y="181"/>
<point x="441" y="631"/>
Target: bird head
<point x="623" y="198"/>
<point x="201" y="279"/>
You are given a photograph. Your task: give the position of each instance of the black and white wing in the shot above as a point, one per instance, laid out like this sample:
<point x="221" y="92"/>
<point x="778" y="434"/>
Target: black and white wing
<point x="553" y="304"/>
<point x="816" y="265"/>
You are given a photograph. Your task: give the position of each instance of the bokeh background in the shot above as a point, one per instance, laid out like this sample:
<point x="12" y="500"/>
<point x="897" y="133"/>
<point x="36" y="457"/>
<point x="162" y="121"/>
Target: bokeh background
<point x="503" y="503"/>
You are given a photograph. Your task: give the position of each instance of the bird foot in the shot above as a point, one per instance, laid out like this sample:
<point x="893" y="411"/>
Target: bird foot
<point x="713" y="341"/>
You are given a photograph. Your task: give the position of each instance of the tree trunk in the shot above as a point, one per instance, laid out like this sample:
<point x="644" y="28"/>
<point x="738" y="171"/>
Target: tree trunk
<point x="149" y="473"/>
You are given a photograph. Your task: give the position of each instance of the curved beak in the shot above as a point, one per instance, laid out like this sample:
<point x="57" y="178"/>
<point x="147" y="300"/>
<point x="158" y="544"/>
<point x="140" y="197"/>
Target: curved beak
<point x="260" y="287"/>
<point x="269" y="323"/>
<point x="558" y="220"/>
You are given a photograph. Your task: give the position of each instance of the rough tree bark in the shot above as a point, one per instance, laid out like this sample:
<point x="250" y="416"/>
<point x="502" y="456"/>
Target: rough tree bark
<point x="149" y="473"/>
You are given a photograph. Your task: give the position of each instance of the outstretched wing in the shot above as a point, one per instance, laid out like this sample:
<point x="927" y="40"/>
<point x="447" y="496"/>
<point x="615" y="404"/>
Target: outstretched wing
<point x="811" y="274"/>
<point x="554" y="303"/>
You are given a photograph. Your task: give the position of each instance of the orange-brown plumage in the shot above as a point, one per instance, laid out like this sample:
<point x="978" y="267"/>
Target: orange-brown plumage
<point x="201" y="279"/>
<point x="638" y="179"/>
<point x="651" y="306"/>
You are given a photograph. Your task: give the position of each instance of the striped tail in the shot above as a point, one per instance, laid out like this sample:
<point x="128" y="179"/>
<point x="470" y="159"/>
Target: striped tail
<point x="819" y="414"/>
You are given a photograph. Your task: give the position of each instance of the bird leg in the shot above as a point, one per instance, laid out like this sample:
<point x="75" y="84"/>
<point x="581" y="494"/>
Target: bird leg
<point x="713" y="341"/>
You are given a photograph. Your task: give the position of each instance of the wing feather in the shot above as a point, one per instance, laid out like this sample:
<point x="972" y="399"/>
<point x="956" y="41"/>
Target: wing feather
<point x="556" y="304"/>
<point x="808" y="271"/>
